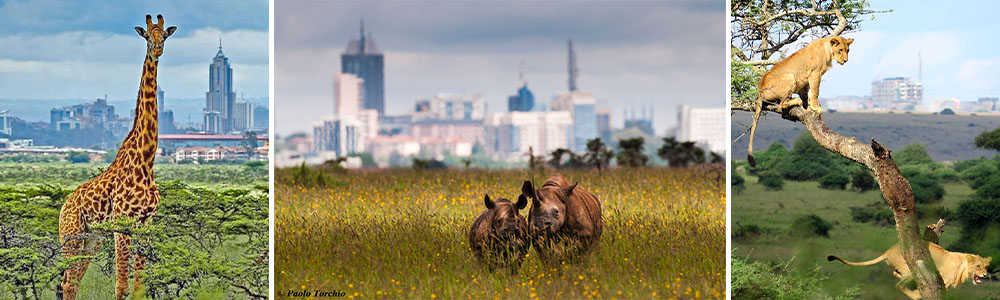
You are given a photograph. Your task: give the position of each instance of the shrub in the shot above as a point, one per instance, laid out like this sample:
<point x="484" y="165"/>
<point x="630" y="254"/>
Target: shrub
<point x="78" y="157"/>
<point x="912" y="154"/>
<point x="810" y="226"/>
<point x="977" y="175"/>
<point x="758" y="280"/>
<point x="807" y="161"/>
<point x="745" y="232"/>
<point x="965" y="164"/>
<point x="771" y="180"/>
<point x="834" y="181"/>
<point x="989" y="187"/>
<point x="947" y="112"/>
<point x="767" y="160"/>
<point x="876" y="213"/>
<point x="738" y="182"/>
<point x="862" y="180"/>
<point x="946" y="175"/>
<point x="925" y="188"/>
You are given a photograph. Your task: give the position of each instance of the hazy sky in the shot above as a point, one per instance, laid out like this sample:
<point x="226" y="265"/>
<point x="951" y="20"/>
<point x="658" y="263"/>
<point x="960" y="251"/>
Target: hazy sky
<point x="955" y="40"/>
<point x="661" y="53"/>
<point x="85" y="49"/>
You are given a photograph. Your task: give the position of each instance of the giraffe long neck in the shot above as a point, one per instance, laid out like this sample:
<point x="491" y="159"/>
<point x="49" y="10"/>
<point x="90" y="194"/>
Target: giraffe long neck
<point x="139" y="147"/>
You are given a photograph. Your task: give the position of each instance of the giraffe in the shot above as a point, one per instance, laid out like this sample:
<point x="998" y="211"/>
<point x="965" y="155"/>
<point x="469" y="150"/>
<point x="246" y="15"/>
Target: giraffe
<point x="124" y="189"/>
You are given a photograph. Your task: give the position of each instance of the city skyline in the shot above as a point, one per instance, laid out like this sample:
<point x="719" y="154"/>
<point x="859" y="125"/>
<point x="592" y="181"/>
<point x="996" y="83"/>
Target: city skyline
<point x="913" y="40"/>
<point x="78" y="38"/>
<point x="477" y="48"/>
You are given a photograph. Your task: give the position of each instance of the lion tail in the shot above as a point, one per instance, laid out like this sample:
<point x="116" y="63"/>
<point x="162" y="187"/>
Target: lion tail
<point x="864" y="263"/>
<point x="753" y="129"/>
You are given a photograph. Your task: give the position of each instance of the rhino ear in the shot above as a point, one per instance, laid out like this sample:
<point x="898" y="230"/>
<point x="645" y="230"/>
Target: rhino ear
<point x="522" y="202"/>
<point x="527" y="189"/>
<point x="488" y="201"/>
<point x="569" y="191"/>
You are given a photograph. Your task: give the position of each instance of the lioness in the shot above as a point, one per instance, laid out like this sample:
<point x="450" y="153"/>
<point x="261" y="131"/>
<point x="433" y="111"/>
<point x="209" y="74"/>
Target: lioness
<point x="800" y="73"/>
<point x="954" y="267"/>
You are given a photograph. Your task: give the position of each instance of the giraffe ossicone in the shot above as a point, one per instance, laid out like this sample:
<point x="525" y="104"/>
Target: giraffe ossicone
<point x="124" y="189"/>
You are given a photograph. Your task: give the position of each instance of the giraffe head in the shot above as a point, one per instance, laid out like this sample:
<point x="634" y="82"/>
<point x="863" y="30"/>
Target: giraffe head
<point x="155" y="34"/>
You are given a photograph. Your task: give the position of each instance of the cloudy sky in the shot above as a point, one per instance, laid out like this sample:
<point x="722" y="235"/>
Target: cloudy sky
<point x="632" y="53"/>
<point x="53" y="50"/>
<point x="955" y="41"/>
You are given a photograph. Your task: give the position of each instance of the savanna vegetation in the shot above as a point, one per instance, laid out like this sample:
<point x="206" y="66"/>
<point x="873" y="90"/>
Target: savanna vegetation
<point x="403" y="233"/>
<point x="789" y="233"/>
<point x="208" y="240"/>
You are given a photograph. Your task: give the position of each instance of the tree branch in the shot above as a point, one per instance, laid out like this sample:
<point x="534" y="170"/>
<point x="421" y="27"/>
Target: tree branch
<point x="895" y="189"/>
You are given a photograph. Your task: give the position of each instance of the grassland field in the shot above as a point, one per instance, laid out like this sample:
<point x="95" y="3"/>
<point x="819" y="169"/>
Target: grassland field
<point x="404" y="234"/>
<point x="775" y="211"/>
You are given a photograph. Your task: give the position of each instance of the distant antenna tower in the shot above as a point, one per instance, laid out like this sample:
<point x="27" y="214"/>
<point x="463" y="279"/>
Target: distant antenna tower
<point x="920" y="68"/>
<point x="520" y="74"/>
<point x="573" y="71"/>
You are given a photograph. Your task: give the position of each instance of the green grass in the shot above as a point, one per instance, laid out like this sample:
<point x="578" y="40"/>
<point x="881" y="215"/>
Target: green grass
<point x="403" y="234"/>
<point x="774" y="212"/>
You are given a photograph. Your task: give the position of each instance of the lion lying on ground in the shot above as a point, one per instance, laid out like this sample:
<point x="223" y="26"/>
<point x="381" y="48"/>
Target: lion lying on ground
<point x="800" y="74"/>
<point x="954" y="267"/>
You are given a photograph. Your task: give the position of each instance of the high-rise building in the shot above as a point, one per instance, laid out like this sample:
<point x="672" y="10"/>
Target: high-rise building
<point x="450" y="107"/>
<point x="348" y="94"/>
<point x="165" y="116"/>
<point x="706" y="126"/>
<point x="362" y="58"/>
<point x="643" y="121"/>
<point x="897" y="93"/>
<point x="338" y="135"/>
<point x="220" y="98"/>
<point x="260" y="118"/>
<point x="573" y="71"/>
<point x="582" y="106"/>
<point x="511" y="134"/>
<point x="242" y="116"/>
<point x="524" y="100"/>
<point x="604" y="123"/>
<point x="96" y="115"/>
<point x="5" y="123"/>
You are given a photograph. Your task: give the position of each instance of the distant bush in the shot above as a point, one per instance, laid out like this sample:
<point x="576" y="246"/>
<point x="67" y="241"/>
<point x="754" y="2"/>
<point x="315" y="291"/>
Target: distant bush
<point x="965" y="164"/>
<point x="25" y="158"/>
<point x="78" y="157"/>
<point x="977" y="175"/>
<point x="980" y="219"/>
<point x="912" y="154"/>
<point x="771" y="180"/>
<point x="862" y="180"/>
<point x="306" y="176"/>
<point x="877" y="213"/>
<point x="810" y="226"/>
<point x="428" y="164"/>
<point x="738" y="182"/>
<point x="947" y="112"/>
<point x="989" y="187"/>
<point x="767" y="160"/>
<point x="744" y="232"/>
<point x="758" y="280"/>
<point x="946" y="175"/>
<point x="925" y="188"/>
<point x="834" y="181"/>
<point x="807" y="161"/>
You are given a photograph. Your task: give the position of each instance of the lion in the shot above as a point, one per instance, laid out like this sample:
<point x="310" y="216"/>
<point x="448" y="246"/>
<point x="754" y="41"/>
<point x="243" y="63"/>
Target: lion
<point x="955" y="268"/>
<point x="800" y="74"/>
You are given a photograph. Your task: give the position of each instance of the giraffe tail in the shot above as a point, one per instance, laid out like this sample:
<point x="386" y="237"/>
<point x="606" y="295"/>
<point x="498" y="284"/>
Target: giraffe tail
<point x="59" y="288"/>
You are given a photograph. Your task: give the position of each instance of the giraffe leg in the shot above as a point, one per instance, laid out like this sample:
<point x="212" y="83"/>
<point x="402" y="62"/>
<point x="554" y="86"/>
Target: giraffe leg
<point x="122" y="257"/>
<point x="71" y="228"/>
<point x="139" y="264"/>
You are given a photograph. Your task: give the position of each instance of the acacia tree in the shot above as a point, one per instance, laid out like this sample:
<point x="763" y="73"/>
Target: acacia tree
<point x="598" y="154"/>
<point x="761" y="29"/>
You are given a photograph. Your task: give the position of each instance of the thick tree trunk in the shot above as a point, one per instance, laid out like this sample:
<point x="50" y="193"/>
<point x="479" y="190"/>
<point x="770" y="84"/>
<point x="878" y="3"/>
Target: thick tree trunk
<point x="895" y="189"/>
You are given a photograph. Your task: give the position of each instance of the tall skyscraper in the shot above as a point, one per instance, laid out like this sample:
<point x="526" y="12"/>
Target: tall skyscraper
<point x="166" y="116"/>
<point x="524" y="100"/>
<point x="362" y="58"/>
<point x="242" y="116"/>
<point x="705" y="126"/>
<point x="348" y="94"/>
<point x="582" y="107"/>
<point x="220" y="98"/>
